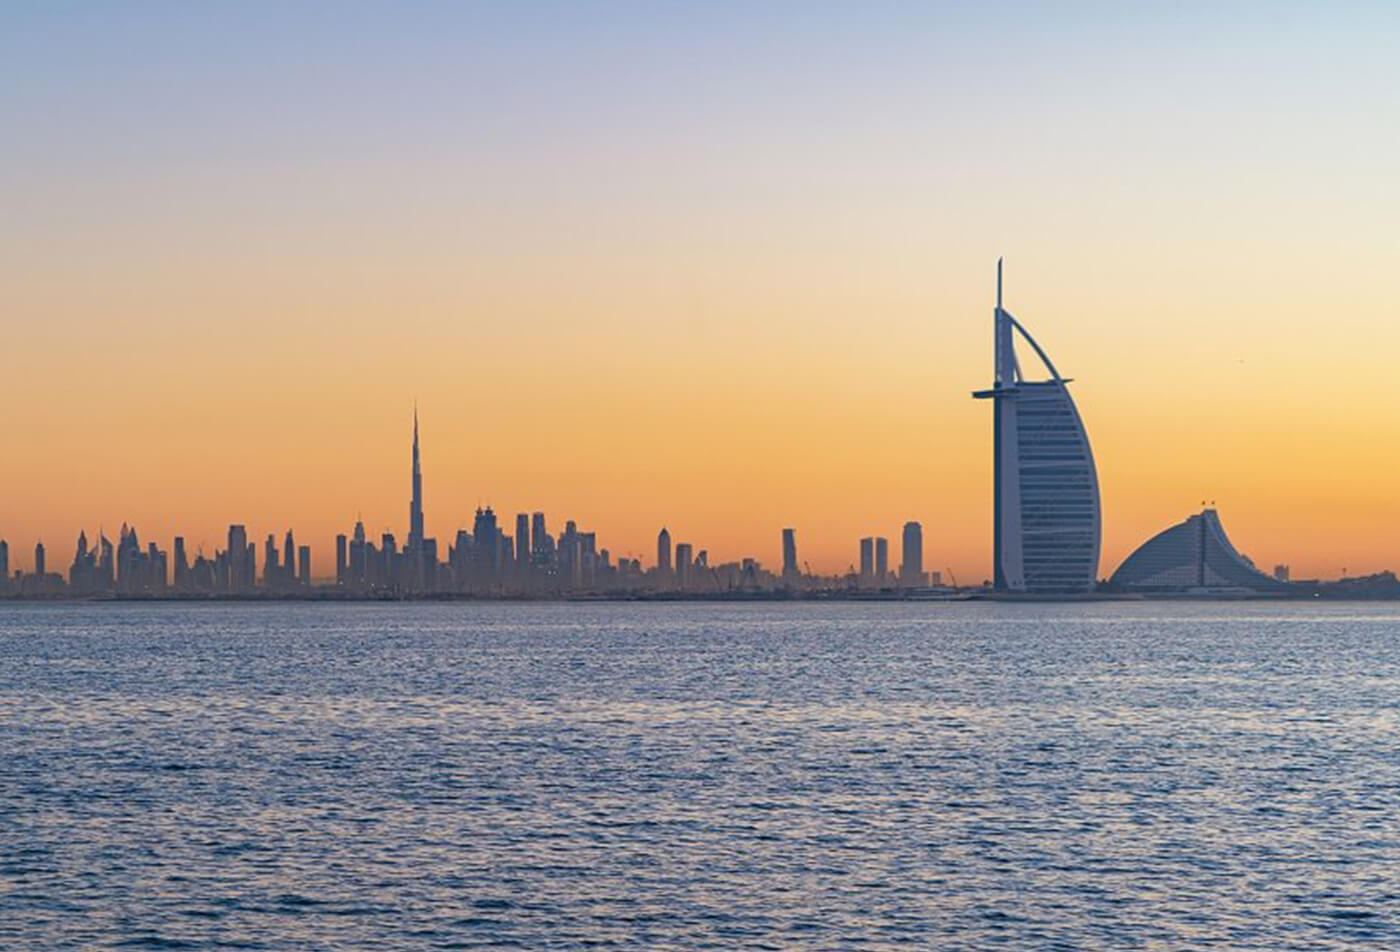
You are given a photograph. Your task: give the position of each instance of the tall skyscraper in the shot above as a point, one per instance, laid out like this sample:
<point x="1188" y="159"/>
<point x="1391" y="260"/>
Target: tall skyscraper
<point x="239" y="577"/>
<point x="342" y="565"/>
<point x="41" y="566"/>
<point x="271" y="571"/>
<point x="81" y="580"/>
<point x="882" y="560"/>
<point x="539" y="538"/>
<point x="1046" y="520"/>
<point x="911" y="569"/>
<point x="790" y="569"/>
<point x="182" y="564"/>
<point x="4" y="566"/>
<point x="106" y="561"/>
<point x="867" y="560"/>
<point x="486" y="546"/>
<point x="415" y="505"/>
<point x="414" y="572"/>
<point x="430" y="564"/>
<point x="523" y="549"/>
<point x="663" y="552"/>
<point x="359" y="556"/>
<point x="684" y="563"/>
<point x="289" y="560"/>
<point x="158" y="568"/>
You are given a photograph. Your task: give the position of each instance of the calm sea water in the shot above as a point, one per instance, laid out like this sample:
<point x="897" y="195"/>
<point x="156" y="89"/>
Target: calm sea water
<point x="947" y="776"/>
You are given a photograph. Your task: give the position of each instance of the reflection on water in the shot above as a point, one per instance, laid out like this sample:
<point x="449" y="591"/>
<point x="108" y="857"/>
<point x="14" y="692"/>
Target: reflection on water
<point x="954" y="776"/>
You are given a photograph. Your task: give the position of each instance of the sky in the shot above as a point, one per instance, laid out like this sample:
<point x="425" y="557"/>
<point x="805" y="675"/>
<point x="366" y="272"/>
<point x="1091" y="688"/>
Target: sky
<point x="722" y="267"/>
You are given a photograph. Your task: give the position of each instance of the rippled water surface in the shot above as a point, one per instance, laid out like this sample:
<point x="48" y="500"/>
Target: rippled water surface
<point x="864" y="776"/>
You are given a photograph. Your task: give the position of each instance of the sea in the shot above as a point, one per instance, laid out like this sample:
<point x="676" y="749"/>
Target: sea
<point x="675" y="776"/>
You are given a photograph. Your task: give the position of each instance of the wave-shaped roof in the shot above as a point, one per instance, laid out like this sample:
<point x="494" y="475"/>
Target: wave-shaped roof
<point x="1195" y="553"/>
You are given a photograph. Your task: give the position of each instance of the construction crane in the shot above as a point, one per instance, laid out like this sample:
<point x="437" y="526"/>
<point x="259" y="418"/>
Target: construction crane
<point x="951" y="576"/>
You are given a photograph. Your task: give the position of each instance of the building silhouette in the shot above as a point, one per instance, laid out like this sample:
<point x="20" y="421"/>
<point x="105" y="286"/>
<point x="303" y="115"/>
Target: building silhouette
<point x="486" y="548"/>
<point x="415" y="504"/>
<point x="663" y="552"/>
<point x="684" y="565"/>
<point x="790" y="569"/>
<point x="482" y="560"/>
<point x="524" y="551"/>
<point x="181" y="565"/>
<point x="867" y="561"/>
<point x="541" y="546"/>
<point x="241" y="558"/>
<point x="342" y="559"/>
<point x="1194" y="555"/>
<point x="417" y="574"/>
<point x="911" y="566"/>
<point x="271" y="570"/>
<point x="40" y="583"/>
<point x="82" y="574"/>
<point x="1046" y="516"/>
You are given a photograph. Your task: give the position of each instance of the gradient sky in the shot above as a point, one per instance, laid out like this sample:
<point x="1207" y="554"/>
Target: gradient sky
<point x="723" y="267"/>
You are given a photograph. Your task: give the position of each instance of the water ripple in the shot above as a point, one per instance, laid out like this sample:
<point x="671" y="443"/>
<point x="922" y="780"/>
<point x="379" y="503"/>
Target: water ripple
<point x="699" y="776"/>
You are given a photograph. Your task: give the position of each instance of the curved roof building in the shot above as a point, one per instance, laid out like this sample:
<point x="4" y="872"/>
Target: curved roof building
<point x="1195" y="554"/>
<point x="1046" y="518"/>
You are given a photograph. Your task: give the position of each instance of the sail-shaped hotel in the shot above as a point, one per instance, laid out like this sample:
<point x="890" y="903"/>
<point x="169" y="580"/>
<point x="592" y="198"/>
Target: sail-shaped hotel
<point x="1046" y="532"/>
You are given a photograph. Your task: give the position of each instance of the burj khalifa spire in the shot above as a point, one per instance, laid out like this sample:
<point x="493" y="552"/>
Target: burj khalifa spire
<point x="415" y="506"/>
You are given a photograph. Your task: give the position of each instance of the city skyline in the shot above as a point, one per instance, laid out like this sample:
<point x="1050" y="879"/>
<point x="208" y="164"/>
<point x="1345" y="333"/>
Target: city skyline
<point x="483" y="561"/>
<point x="1046" y="530"/>
<point x="713" y="268"/>
<point x="1046" y="533"/>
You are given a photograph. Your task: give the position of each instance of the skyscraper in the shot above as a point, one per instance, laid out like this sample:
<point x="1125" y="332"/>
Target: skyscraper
<point x="129" y="567"/>
<point x="486" y="547"/>
<point x="539" y="538"/>
<point x="359" y="556"/>
<point x="683" y="563"/>
<point x="82" y="576"/>
<point x="415" y="573"/>
<point x="882" y="560"/>
<point x="790" y="553"/>
<point x="663" y="552"/>
<point x="415" y="505"/>
<point x="911" y="569"/>
<point x="523" y="549"/>
<point x="1046" y="521"/>
<point x="182" y="564"/>
<point x="106" y="562"/>
<point x="867" y="560"/>
<point x="271" y="571"/>
<point x="341" y="555"/>
<point x="239" y="574"/>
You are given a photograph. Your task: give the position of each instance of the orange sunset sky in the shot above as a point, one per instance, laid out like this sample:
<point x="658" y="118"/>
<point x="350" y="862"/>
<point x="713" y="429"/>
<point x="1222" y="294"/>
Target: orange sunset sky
<point x="723" y="270"/>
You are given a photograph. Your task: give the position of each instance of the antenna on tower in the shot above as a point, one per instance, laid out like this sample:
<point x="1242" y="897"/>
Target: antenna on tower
<point x="999" y="284"/>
